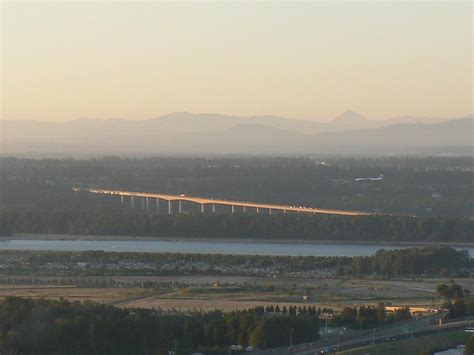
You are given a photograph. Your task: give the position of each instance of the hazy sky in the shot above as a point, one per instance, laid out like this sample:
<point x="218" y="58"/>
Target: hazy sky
<point x="309" y="60"/>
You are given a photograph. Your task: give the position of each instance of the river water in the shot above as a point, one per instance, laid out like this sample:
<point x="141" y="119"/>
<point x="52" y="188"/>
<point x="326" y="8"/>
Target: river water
<point x="208" y="247"/>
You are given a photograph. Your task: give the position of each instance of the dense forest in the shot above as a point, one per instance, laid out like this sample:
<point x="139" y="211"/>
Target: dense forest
<point x="413" y="261"/>
<point x="36" y="197"/>
<point x="110" y="221"/>
<point x="61" y="327"/>
<point x="410" y="186"/>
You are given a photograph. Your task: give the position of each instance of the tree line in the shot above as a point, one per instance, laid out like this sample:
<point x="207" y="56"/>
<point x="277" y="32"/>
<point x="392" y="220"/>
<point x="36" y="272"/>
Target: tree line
<point x="432" y="261"/>
<point x="439" y="261"/>
<point x="458" y="301"/>
<point x="366" y="317"/>
<point x="110" y="221"/>
<point x="43" y="326"/>
<point x="40" y="326"/>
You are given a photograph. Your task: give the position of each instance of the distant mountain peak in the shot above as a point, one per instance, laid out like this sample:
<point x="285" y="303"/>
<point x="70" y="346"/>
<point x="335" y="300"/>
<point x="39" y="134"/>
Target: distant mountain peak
<point x="349" y="117"/>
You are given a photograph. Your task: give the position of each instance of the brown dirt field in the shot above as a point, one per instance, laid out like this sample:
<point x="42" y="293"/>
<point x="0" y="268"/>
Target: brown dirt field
<point x="335" y="293"/>
<point x="101" y="295"/>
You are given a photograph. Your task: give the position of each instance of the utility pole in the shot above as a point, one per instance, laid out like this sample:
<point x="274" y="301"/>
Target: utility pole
<point x="326" y="327"/>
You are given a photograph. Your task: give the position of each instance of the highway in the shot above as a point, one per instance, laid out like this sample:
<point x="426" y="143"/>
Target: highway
<point x="210" y="201"/>
<point x="392" y="333"/>
<point x="354" y="345"/>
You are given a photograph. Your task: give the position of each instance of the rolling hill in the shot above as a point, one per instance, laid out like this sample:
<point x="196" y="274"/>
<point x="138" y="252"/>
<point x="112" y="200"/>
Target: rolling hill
<point x="187" y="133"/>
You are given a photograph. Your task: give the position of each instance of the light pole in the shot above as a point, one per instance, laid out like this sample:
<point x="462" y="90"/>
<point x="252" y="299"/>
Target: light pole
<point x="326" y="328"/>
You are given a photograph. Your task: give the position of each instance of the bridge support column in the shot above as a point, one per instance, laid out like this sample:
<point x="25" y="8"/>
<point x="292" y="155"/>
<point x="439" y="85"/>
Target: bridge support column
<point x="180" y="206"/>
<point x="213" y="208"/>
<point x="258" y="210"/>
<point x="245" y="209"/>
<point x="132" y="201"/>
<point x="169" y="206"/>
<point x="157" y="206"/>
<point x="121" y="199"/>
<point x="284" y="211"/>
<point x="147" y="204"/>
<point x="233" y="208"/>
<point x="143" y="203"/>
<point x="202" y="207"/>
<point x="269" y="211"/>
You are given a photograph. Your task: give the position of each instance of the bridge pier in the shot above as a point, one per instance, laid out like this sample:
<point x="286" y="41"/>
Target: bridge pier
<point x="145" y="198"/>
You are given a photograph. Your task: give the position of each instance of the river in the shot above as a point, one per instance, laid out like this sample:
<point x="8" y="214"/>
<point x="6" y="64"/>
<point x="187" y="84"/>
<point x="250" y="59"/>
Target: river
<point x="209" y="247"/>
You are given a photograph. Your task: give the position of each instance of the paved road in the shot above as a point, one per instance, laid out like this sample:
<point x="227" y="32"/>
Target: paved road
<point x="209" y="201"/>
<point x="356" y="339"/>
<point x="410" y="335"/>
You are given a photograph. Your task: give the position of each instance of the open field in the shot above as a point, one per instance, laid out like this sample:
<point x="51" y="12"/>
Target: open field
<point x="232" y="292"/>
<point x="323" y="293"/>
<point x="73" y="293"/>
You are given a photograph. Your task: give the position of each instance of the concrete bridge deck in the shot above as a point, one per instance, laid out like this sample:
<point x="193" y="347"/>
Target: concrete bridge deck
<point x="210" y="201"/>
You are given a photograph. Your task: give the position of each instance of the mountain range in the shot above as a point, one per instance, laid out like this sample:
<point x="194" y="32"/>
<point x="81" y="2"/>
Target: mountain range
<point x="188" y="133"/>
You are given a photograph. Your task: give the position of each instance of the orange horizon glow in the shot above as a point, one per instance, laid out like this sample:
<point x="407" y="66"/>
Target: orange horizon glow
<point x="309" y="60"/>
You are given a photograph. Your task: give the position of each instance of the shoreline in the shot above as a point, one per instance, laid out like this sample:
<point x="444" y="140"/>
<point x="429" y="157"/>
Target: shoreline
<point x="65" y="237"/>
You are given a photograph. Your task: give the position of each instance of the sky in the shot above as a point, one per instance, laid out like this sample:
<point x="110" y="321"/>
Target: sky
<point x="308" y="60"/>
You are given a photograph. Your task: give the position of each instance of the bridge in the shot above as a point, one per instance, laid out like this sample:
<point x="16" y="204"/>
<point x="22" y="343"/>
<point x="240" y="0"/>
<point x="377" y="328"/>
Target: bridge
<point x="235" y="206"/>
